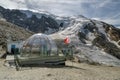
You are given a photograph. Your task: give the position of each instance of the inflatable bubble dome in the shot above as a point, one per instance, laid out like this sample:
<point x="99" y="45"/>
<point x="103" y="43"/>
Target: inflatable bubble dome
<point x="38" y="45"/>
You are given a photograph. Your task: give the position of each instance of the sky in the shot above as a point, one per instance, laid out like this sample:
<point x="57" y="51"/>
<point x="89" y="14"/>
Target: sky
<point x="104" y="10"/>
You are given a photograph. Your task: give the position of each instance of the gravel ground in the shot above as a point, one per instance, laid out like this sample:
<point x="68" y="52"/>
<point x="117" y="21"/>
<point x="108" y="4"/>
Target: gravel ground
<point x="73" y="71"/>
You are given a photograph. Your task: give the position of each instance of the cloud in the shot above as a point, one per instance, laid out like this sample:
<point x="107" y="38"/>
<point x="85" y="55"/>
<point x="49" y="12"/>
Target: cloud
<point x="12" y="4"/>
<point x="89" y="8"/>
<point x="107" y="10"/>
<point x="112" y="21"/>
<point x="61" y="7"/>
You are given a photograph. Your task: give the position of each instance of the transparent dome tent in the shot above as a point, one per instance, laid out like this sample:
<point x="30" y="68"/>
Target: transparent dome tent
<point x="37" y="49"/>
<point x="39" y="45"/>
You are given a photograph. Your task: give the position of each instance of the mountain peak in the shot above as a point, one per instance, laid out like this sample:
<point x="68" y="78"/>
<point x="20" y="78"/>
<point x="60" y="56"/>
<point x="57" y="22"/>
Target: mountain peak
<point x="93" y="39"/>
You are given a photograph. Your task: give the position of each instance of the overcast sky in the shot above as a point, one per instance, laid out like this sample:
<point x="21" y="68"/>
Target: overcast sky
<point x="105" y="10"/>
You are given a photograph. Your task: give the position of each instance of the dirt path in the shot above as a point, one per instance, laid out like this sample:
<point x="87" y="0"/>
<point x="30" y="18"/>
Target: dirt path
<point x="77" y="72"/>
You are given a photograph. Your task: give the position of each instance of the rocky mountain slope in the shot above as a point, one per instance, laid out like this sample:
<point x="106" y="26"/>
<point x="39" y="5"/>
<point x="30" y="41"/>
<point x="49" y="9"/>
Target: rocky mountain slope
<point x="13" y="32"/>
<point x="33" y="21"/>
<point x="92" y="41"/>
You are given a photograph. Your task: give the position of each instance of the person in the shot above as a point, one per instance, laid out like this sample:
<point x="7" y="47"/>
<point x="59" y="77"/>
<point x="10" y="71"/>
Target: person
<point x="12" y="51"/>
<point x="66" y="48"/>
<point x="66" y="40"/>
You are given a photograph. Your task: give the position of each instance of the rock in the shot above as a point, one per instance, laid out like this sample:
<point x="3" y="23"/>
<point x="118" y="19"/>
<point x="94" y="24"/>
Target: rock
<point x="13" y="32"/>
<point x="49" y="74"/>
<point x="32" y="23"/>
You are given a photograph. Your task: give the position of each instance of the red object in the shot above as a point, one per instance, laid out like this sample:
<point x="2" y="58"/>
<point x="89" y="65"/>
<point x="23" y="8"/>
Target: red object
<point x="66" y="40"/>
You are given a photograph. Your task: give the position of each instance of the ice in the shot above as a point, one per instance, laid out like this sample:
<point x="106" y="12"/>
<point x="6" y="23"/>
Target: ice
<point x="96" y="56"/>
<point x="87" y="51"/>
